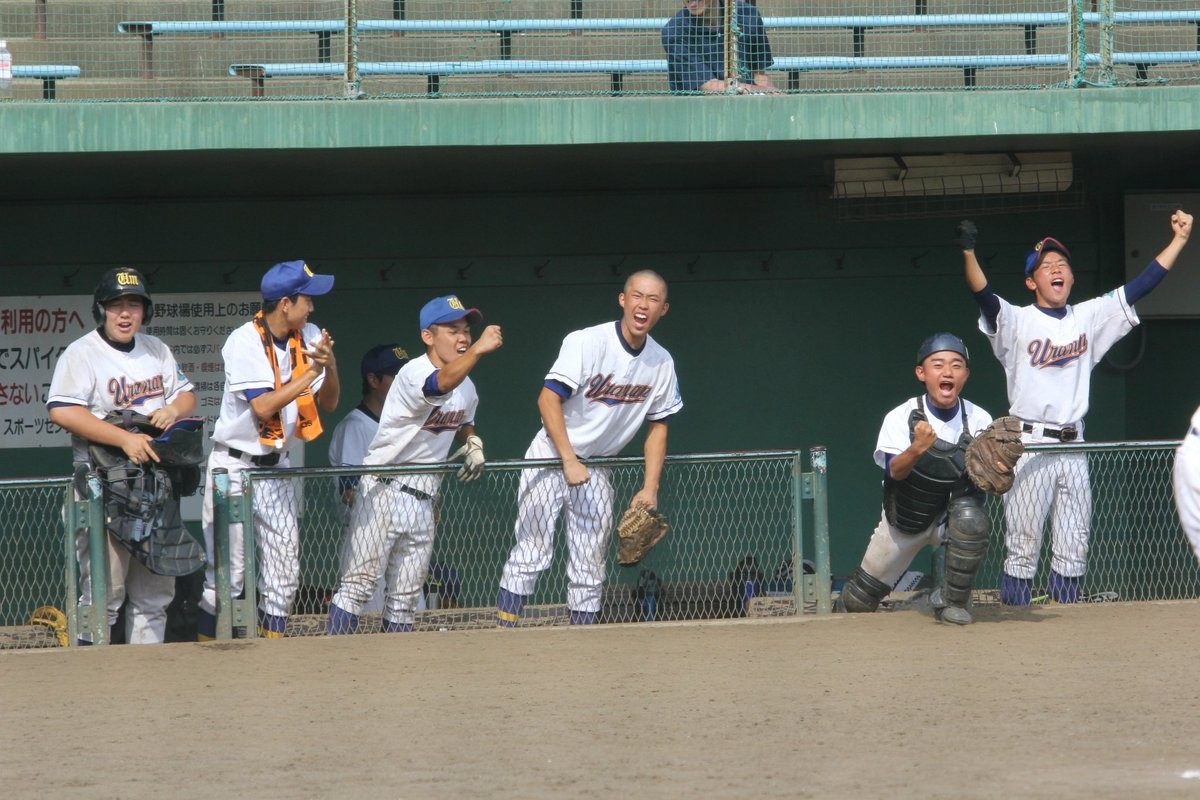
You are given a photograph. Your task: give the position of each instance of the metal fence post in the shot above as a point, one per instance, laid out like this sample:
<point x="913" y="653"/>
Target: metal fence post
<point x="352" y="79"/>
<point x="242" y="511"/>
<point x="1076" y="43"/>
<point x="220" y="490"/>
<point x="98" y="562"/>
<point x="75" y="519"/>
<point x="817" y="455"/>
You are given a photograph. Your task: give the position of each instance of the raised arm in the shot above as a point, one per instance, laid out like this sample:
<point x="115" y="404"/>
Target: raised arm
<point x="967" y="234"/>
<point x="1181" y="224"/>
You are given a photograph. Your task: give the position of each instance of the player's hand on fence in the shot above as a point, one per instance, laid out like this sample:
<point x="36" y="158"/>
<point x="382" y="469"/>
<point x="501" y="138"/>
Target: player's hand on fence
<point x="967" y="235"/>
<point x="489" y="340"/>
<point x="473" y="459"/>
<point x="1181" y="223"/>
<point x="575" y="472"/>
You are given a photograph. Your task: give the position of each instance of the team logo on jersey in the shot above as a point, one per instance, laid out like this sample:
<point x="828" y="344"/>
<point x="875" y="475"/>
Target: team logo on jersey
<point x="126" y="393"/>
<point x="602" y="389"/>
<point x="1044" y="353"/>
<point x="440" y="421"/>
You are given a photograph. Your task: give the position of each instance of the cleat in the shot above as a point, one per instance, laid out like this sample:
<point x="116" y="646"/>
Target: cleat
<point x="956" y="615"/>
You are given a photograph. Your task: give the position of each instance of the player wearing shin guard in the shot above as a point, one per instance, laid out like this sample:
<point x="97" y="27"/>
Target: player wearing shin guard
<point x="607" y="381"/>
<point x="431" y="405"/>
<point x="1048" y="350"/>
<point x="280" y="372"/>
<point x="927" y="497"/>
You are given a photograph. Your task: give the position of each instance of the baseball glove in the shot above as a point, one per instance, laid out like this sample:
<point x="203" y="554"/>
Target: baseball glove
<point x="639" y="529"/>
<point x="992" y="455"/>
<point x="52" y="618"/>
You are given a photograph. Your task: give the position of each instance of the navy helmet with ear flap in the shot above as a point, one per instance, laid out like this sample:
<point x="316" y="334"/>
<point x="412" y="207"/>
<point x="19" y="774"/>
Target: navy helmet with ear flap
<point x="117" y="283"/>
<point x="939" y="342"/>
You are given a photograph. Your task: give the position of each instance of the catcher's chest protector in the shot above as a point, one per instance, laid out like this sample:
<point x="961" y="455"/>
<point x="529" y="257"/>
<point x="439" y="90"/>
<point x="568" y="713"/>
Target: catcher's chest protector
<point x="920" y="500"/>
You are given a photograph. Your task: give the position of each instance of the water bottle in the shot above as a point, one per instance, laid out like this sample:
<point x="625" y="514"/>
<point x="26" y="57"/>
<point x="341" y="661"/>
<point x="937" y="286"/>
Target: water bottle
<point x="5" y="71"/>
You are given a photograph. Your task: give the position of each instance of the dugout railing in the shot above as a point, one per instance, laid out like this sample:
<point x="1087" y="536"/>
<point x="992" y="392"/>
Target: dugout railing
<point x="738" y="544"/>
<point x="748" y="517"/>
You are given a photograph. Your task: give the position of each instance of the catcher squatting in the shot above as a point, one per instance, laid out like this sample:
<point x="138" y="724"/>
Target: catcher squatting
<point x="939" y="452"/>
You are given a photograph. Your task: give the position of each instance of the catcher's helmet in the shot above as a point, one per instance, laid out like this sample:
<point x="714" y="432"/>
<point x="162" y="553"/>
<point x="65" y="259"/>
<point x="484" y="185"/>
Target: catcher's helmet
<point x="117" y="283"/>
<point x="939" y="342"/>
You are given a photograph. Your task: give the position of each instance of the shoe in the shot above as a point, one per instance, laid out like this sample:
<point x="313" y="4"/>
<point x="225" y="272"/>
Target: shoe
<point x="1063" y="589"/>
<point x="956" y="615"/>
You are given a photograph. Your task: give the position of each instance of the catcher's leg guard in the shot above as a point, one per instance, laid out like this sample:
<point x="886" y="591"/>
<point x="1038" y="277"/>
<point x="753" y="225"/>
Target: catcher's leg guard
<point x="340" y="621"/>
<point x="1063" y="589"/>
<point x="583" y="617"/>
<point x="968" y="540"/>
<point x="862" y="592"/>
<point x="1015" y="591"/>
<point x="270" y="626"/>
<point x="508" y="608"/>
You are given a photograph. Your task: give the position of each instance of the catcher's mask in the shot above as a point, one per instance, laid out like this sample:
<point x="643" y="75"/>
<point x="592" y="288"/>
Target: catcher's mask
<point x="118" y="283"/>
<point x="939" y="342"/>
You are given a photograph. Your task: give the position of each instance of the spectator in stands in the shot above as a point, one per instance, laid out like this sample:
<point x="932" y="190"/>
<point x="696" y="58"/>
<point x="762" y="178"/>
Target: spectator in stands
<point x="694" y="40"/>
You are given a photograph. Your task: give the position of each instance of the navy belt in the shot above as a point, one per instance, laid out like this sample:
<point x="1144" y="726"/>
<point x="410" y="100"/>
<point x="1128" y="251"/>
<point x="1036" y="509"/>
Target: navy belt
<point x="269" y="460"/>
<point x="1067" y="434"/>
<point x="394" y="481"/>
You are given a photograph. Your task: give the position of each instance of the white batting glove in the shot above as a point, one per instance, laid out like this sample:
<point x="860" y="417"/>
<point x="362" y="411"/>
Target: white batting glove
<point x="472" y="453"/>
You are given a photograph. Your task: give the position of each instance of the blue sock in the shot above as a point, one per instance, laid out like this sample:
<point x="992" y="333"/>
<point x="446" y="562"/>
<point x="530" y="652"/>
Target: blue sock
<point x="269" y="626"/>
<point x="1015" y="591"/>
<point x="396" y="627"/>
<point x="583" y="617"/>
<point x="1063" y="589"/>
<point x="340" y="621"/>
<point x="508" y="608"/>
<point x="206" y="626"/>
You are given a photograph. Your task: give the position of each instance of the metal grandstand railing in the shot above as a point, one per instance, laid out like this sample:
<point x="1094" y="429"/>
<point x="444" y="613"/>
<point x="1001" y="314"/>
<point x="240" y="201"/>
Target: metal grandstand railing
<point x="184" y="49"/>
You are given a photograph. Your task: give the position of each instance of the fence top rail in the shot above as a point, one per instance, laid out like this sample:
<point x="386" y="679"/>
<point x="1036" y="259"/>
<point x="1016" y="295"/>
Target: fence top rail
<point x="1103" y="447"/>
<point x="35" y="483"/>
<point x="640" y="23"/>
<point x="521" y="463"/>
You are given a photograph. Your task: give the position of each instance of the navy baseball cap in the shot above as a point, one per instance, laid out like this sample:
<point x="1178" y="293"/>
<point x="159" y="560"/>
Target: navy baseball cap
<point x="293" y="277"/>
<point x="384" y="359"/>
<point x="445" y="309"/>
<point x="1039" y="251"/>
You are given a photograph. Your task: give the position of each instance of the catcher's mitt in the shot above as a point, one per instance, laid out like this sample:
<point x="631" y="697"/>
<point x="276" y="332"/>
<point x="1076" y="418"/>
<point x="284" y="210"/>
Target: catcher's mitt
<point x="992" y="455"/>
<point x="52" y="618"/>
<point x="639" y="529"/>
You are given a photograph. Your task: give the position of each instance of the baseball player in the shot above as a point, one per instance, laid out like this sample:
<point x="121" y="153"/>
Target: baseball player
<point x="280" y="372"/>
<point x="927" y="496"/>
<point x="116" y="367"/>
<point x="431" y="405"/>
<point x="353" y="435"/>
<point x="1186" y="479"/>
<point x="606" y="381"/>
<point x="1048" y="351"/>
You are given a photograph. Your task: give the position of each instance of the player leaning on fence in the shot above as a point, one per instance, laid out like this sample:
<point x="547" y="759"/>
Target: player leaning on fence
<point x="606" y="381"/>
<point x="113" y="368"/>
<point x="1048" y="351"/>
<point x="431" y="405"/>
<point x="280" y="372"/>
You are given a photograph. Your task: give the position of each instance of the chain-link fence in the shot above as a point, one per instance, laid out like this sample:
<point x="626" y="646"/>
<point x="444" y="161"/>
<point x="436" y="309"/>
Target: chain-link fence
<point x="36" y="553"/>
<point x="135" y="49"/>
<point x="737" y="535"/>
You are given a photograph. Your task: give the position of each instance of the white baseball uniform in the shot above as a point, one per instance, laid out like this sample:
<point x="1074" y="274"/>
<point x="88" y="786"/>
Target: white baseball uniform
<point x="1048" y="363"/>
<point x="347" y="448"/>
<point x="1186" y="479"/>
<point x="890" y="549"/>
<point x="276" y="502"/>
<point x="613" y="390"/>
<point x="94" y="373"/>
<point x="392" y="523"/>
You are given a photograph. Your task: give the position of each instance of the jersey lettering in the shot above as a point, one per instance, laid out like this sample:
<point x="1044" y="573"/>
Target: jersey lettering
<point x="1044" y="353"/>
<point x="440" y="421"/>
<point x="601" y="389"/>
<point x="131" y="393"/>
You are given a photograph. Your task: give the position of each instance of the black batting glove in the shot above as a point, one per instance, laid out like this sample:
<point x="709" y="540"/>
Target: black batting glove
<point x="967" y="233"/>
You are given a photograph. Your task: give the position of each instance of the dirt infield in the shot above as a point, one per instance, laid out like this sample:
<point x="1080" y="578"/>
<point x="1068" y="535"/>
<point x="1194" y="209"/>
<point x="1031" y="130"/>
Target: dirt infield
<point x="1096" y="701"/>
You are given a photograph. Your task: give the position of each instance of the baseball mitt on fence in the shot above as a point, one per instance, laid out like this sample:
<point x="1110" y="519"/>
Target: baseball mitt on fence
<point x="52" y="618"/>
<point x="639" y="529"/>
<point x="992" y="455"/>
